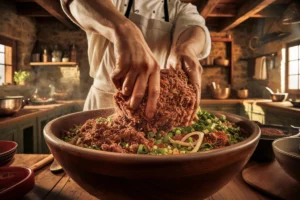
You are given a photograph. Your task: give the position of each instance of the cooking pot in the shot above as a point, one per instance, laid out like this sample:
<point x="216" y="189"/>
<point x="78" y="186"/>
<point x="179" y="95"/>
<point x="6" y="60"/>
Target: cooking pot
<point x="264" y="151"/>
<point x="10" y="105"/>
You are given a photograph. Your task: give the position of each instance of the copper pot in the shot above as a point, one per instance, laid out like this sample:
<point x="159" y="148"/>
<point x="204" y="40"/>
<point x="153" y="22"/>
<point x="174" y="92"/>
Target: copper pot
<point x="242" y="94"/>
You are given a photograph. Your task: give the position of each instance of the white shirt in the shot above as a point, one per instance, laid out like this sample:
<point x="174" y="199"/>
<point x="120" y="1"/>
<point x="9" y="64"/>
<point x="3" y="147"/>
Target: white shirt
<point x="181" y="15"/>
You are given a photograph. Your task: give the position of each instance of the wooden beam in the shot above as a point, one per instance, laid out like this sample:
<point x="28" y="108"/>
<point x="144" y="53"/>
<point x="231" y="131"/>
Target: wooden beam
<point x="208" y="8"/>
<point x="247" y="10"/>
<point x="269" y="12"/>
<point x="54" y="8"/>
<point x="31" y="10"/>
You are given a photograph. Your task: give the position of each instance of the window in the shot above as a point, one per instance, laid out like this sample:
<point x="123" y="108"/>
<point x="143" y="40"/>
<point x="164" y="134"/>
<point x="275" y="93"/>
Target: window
<point x="293" y="67"/>
<point x="7" y="60"/>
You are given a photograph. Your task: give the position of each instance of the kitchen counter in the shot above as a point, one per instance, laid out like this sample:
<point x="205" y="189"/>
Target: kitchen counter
<point x="61" y="186"/>
<point x="283" y="107"/>
<point x="37" y="110"/>
<point x="232" y="101"/>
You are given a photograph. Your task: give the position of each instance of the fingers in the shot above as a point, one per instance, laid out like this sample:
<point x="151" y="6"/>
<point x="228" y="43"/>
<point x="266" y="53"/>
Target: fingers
<point x="117" y="76"/>
<point x="129" y="82"/>
<point x="138" y="91"/>
<point x="153" y="93"/>
<point x="193" y="70"/>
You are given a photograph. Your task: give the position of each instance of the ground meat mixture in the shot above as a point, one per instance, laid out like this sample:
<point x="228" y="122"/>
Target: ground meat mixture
<point x="272" y="132"/>
<point x="174" y="107"/>
<point x="125" y="131"/>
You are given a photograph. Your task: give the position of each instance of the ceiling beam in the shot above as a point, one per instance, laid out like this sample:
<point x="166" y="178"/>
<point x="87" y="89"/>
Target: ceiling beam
<point x="247" y="10"/>
<point x="54" y="8"/>
<point x="269" y="12"/>
<point x="208" y="8"/>
<point x="31" y="10"/>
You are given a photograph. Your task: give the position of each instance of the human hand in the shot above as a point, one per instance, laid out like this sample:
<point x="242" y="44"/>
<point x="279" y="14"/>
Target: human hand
<point x="184" y="57"/>
<point x="136" y="68"/>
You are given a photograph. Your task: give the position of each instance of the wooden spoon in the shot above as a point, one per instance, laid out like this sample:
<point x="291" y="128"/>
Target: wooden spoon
<point x="55" y="166"/>
<point x="42" y="163"/>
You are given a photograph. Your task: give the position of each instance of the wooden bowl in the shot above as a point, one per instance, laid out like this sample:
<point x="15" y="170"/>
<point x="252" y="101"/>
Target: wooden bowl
<point x="15" y="182"/>
<point x="109" y="175"/>
<point x="287" y="153"/>
<point x="7" y="151"/>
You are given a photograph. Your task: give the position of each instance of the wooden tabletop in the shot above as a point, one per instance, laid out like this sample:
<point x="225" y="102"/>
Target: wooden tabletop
<point x="60" y="186"/>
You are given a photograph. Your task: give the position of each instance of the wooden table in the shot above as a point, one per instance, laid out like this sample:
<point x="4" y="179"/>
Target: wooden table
<point x="61" y="186"/>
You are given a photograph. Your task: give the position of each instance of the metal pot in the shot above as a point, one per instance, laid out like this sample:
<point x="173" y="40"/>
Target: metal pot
<point x="10" y="105"/>
<point x="242" y="94"/>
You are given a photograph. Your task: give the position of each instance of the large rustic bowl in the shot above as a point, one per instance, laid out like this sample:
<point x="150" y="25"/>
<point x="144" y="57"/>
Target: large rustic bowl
<point x="108" y="175"/>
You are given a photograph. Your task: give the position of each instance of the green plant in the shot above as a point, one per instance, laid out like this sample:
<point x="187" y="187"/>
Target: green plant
<point x="20" y="76"/>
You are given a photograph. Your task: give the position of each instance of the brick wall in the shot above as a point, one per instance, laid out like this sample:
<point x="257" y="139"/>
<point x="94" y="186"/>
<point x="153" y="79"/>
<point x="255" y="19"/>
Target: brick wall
<point x="240" y="36"/>
<point x="275" y="79"/>
<point x="20" y="28"/>
<point x="75" y="79"/>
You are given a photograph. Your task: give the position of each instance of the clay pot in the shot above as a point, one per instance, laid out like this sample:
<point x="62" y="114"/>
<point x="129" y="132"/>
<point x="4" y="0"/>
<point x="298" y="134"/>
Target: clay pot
<point x="108" y="175"/>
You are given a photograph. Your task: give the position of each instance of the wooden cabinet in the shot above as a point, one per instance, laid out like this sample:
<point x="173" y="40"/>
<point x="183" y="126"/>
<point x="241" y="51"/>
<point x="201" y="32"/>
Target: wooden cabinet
<point x="11" y="133"/>
<point x="28" y="132"/>
<point x="230" y="108"/>
<point x="280" y="118"/>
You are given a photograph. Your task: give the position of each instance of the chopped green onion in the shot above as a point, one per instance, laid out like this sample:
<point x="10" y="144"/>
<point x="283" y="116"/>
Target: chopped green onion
<point x="142" y="149"/>
<point x="177" y="132"/>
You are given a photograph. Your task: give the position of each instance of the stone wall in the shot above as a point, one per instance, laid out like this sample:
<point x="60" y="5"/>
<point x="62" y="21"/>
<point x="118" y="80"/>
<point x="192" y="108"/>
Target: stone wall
<point x="75" y="79"/>
<point x="240" y="36"/>
<point x="19" y="28"/>
<point x="275" y="74"/>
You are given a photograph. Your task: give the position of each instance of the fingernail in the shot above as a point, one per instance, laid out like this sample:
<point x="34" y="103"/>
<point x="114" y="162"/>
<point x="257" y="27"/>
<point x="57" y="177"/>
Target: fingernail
<point x="125" y="89"/>
<point x="150" y="115"/>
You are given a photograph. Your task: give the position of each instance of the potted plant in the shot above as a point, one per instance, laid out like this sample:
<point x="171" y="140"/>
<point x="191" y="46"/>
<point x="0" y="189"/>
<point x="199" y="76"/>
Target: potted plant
<point x="20" y="77"/>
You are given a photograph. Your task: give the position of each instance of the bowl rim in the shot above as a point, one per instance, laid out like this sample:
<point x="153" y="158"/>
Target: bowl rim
<point x="51" y="138"/>
<point x="11" y="97"/>
<point x="8" y="151"/>
<point x="29" y="174"/>
<point x="282" y="151"/>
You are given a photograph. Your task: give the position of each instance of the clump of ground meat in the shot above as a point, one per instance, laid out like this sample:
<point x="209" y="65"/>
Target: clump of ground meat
<point x="174" y="108"/>
<point x="126" y="129"/>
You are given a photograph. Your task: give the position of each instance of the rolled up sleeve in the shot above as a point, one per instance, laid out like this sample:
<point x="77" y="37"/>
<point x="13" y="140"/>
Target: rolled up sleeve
<point x="65" y="6"/>
<point x="187" y="17"/>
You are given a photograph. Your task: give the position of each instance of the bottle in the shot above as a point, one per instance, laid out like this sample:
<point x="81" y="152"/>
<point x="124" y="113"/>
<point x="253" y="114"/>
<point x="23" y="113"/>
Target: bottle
<point x="45" y="56"/>
<point x="73" y="54"/>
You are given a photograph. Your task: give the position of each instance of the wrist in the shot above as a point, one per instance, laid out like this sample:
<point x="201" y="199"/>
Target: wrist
<point x="186" y="48"/>
<point x="125" y="30"/>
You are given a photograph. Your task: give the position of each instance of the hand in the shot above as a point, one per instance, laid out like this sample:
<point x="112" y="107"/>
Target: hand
<point x="136" y="68"/>
<point x="185" y="58"/>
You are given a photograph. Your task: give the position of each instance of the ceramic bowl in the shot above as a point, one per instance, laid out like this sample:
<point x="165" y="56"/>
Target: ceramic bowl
<point x="109" y="175"/>
<point x="287" y="152"/>
<point x="15" y="182"/>
<point x="7" y="151"/>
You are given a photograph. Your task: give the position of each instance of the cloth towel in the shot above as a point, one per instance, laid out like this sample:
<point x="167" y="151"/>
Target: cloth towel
<point x="260" y="71"/>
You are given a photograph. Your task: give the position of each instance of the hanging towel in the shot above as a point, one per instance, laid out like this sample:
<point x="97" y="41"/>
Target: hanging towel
<point x="260" y="72"/>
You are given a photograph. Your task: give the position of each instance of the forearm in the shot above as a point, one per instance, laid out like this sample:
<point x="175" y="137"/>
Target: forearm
<point x="99" y="16"/>
<point x="193" y="38"/>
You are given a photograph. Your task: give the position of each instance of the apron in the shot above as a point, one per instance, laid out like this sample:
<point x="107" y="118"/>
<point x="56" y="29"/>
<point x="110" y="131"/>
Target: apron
<point x="157" y="34"/>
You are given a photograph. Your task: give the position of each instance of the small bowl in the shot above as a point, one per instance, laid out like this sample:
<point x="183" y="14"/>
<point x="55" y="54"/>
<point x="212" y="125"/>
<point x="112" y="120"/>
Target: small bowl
<point x="220" y="93"/>
<point x="287" y="153"/>
<point x="7" y="151"/>
<point x="279" y="97"/>
<point x="296" y="103"/>
<point x="242" y="94"/>
<point x="15" y="182"/>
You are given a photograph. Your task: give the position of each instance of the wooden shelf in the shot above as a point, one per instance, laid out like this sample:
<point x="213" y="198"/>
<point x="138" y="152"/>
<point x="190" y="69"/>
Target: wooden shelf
<point x="221" y="39"/>
<point x="216" y="66"/>
<point x="52" y="63"/>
